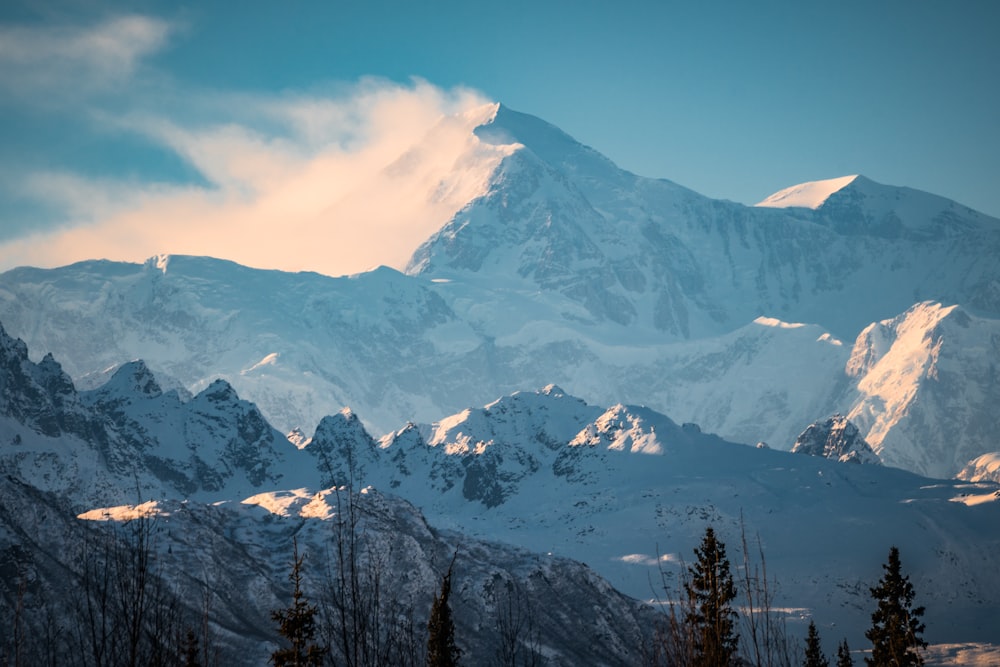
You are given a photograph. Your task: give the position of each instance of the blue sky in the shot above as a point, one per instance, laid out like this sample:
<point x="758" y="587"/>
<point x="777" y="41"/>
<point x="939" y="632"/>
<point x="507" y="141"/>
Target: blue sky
<point x="113" y="107"/>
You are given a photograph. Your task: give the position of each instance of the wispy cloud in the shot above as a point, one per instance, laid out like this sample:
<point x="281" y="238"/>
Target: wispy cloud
<point x="59" y="59"/>
<point x="331" y="183"/>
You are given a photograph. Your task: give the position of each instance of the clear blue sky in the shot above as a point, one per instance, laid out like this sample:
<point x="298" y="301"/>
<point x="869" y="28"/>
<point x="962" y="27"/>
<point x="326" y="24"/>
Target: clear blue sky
<point x="733" y="99"/>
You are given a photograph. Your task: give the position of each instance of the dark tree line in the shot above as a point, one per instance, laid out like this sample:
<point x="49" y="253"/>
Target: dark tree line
<point x="123" y="613"/>
<point x="702" y="628"/>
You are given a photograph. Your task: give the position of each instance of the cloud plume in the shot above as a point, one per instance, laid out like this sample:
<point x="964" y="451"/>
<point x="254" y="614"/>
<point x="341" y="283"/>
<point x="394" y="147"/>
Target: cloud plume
<point x="332" y="183"/>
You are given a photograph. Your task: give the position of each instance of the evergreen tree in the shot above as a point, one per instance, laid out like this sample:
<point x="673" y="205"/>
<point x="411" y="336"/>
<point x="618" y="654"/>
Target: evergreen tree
<point x="844" y="658"/>
<point x="297" y="624"/>
<point x="814" y="652"/>
<point x="896" y="628"/>
<point x="441" y="648"/>
<point x="710" y="617"/>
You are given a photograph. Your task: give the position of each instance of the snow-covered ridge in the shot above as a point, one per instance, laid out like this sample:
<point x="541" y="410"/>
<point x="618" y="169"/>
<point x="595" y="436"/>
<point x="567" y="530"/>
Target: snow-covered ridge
<point x="559" y="267"/>
<point x="551" y="473"/>
<point x="806" y="195"/>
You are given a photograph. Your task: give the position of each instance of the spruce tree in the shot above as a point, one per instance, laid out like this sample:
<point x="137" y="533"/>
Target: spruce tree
<point x="896" y="629"/>
<point x="844" y="658"/>
<point x="710" y="617"/>
<point x="814" y="652"/>
<point x="297" y="624"/>
<point x="441" y="648"/>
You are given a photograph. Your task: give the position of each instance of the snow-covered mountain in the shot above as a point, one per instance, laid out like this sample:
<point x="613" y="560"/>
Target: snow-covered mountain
<point x="624" y="488"/>
<point x="395" y="348"/>
<point x="562" y="268"/>
<point x="229" y="495"/>
<point x="927" y="388"/>
<point x="653" y="255"/>
<point x="129" y="439"/>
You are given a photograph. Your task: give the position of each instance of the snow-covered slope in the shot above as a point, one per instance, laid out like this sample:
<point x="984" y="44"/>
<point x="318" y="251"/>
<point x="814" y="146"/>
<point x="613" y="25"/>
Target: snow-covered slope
<point x="985" y="468"/>
<point x="858" y="205"/>
<point x="653" y="255"/>
<point x="631" y="483"/>
<point x="928" y="388"/>
<point x="395" y="348"/>
<point x="561" y="268"/>
<point x="128" y="438"/>
<point x="807" y="195"/>
<point x="623" y="488"/>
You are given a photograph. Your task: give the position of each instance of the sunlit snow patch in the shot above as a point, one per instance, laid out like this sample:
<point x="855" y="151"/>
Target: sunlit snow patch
<point x="124" y="512"/>
<point x="807" y="195"/>
<point x="970" y="499"/>
<point x="776" y="323"/>
<point x="827" y="338"/>
<point x="302" y="502"/>
<point x="269" y="360"/>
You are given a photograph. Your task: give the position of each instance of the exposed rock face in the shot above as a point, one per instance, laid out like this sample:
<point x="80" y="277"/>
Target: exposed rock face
<point x="837" y="439"/>
<point x="40" y="396"/>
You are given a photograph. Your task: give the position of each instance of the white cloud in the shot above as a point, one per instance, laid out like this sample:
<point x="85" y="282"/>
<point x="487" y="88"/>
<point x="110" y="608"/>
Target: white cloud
<point x="335" y="184"/>
<point x="36" y="60"/>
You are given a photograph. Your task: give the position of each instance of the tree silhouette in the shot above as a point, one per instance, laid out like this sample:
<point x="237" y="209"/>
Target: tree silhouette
<point x="814" y="651"/>
<point x="441" y="648"/>
<point x="297" y="624"/>
<point x="710" y="616"/>
<point x="844" y="658"/>
<point x="896" y="629"/>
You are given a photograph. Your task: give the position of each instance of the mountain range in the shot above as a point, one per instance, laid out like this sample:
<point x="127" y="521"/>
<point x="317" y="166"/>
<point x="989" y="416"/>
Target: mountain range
<point x="562" y="284"/>
<point x="624" y="488"/>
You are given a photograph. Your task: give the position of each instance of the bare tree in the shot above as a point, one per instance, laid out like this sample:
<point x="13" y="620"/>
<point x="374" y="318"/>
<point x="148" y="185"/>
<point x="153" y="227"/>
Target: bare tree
<point x="124" y="612"/>
<point x="366" y="620"/>
<point x="765" y="640"/>
<point x="673" y="641"/>
<point x="514" y="616"/>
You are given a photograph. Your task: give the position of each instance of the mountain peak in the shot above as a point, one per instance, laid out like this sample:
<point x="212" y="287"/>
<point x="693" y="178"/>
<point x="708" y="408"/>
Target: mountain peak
<point x="835" y="438"/>
<point x="134" y="377"/>
<point x="812" y="194"/>
<point x="558" y="149"/>
<point x="11" y="347"/>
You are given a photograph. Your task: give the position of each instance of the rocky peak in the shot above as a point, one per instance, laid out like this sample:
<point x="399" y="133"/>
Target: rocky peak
<point x="835" y="438"/>
<point x="42" y="395"/>
<point x="344" y="449"/>
<point x="132" y="379"/>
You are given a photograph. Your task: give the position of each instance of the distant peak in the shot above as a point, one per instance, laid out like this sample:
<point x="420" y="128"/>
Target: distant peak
<point x="835" y="438"/>
<point x="135" y="377"/>
<point x="807" y="195"/>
